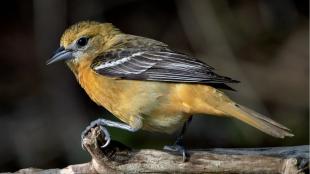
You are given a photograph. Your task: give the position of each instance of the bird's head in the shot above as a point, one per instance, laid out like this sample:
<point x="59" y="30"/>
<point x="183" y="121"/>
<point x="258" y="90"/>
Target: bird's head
<point x="82" y="40"/>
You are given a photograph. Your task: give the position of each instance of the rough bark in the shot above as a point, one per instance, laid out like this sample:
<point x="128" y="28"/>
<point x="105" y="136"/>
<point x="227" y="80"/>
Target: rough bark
<point x="117" y="158"/>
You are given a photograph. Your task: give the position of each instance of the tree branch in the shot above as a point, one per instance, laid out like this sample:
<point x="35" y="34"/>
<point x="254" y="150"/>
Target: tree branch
<point x="117" y="158"/>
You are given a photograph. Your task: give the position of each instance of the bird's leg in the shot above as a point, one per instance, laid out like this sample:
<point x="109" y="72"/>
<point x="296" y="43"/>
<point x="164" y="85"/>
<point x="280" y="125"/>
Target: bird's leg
<point x="179" y="143"/>
<point x="103" y="122"/>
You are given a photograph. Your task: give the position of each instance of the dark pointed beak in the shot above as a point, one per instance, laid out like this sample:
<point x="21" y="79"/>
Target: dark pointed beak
<point x="60" y="54"/>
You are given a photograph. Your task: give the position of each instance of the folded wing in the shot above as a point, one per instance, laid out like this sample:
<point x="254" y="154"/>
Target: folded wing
<point x="157" y="65"/>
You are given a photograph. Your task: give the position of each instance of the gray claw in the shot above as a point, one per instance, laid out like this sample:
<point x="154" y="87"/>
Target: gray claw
<point x="106" y="136"/>
<point x="103" y="129"/>
<point x="179" y="149"/>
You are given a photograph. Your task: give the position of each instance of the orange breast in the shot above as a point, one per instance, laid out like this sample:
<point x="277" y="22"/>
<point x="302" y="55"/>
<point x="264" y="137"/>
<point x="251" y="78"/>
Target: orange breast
<point x="161" y="106"/>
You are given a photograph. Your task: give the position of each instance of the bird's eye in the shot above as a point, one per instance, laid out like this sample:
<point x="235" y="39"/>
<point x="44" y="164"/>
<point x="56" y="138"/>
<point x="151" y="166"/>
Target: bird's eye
<point x="82" y="41"/>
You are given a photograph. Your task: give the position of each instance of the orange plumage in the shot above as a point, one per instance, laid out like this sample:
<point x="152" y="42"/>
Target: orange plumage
<point x="144" y="84"/>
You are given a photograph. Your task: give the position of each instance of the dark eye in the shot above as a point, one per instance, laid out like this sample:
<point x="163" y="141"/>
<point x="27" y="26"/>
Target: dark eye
<point x="82" y="41"/>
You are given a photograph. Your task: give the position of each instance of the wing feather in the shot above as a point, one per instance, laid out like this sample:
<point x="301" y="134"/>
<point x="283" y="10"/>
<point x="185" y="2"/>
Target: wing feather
<point x="160" y="65"/>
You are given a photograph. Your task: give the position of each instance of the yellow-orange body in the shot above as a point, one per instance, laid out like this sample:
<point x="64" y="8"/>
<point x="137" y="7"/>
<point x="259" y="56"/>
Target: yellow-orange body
<point x="150" y="105"/>
<point x="161" y="106"/>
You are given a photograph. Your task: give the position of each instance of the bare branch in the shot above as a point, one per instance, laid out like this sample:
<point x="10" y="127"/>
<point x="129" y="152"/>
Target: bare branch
<point x="117" y="158"/>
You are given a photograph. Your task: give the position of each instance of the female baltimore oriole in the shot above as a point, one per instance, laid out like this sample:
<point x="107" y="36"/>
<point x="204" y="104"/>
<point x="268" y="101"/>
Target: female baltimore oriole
<point x="147" y="85"/>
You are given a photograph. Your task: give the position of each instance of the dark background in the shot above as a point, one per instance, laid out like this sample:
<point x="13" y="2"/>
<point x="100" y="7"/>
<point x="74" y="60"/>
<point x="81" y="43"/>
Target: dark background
<point x="262" y="43"/>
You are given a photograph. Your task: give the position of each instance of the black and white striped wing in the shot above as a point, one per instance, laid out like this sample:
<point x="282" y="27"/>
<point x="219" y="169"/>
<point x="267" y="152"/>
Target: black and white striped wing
<point x="164" y="66"/>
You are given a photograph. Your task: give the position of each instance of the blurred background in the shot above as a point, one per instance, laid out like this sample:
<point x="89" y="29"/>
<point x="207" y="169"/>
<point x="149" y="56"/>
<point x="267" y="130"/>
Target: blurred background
<point x="43" y="110"/>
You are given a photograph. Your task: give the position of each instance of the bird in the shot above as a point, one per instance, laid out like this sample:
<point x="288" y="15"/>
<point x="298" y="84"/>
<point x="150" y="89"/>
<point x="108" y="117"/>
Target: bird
<point x="147" y="85"/>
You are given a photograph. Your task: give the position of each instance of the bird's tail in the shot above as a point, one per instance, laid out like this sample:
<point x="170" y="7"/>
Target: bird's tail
<point x="256" y="120"/>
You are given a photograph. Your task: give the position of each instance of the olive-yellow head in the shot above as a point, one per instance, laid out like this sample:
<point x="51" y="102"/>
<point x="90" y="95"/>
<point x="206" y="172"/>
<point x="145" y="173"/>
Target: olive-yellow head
<point x="84" y="40"/>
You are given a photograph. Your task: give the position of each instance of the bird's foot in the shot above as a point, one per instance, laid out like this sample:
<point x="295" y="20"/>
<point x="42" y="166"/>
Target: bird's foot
<point x="178" y="148"/>
<point x="105" y="132"/>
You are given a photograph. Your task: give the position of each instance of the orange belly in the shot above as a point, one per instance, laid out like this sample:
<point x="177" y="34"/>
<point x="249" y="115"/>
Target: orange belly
<point x="162" y="107"/>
